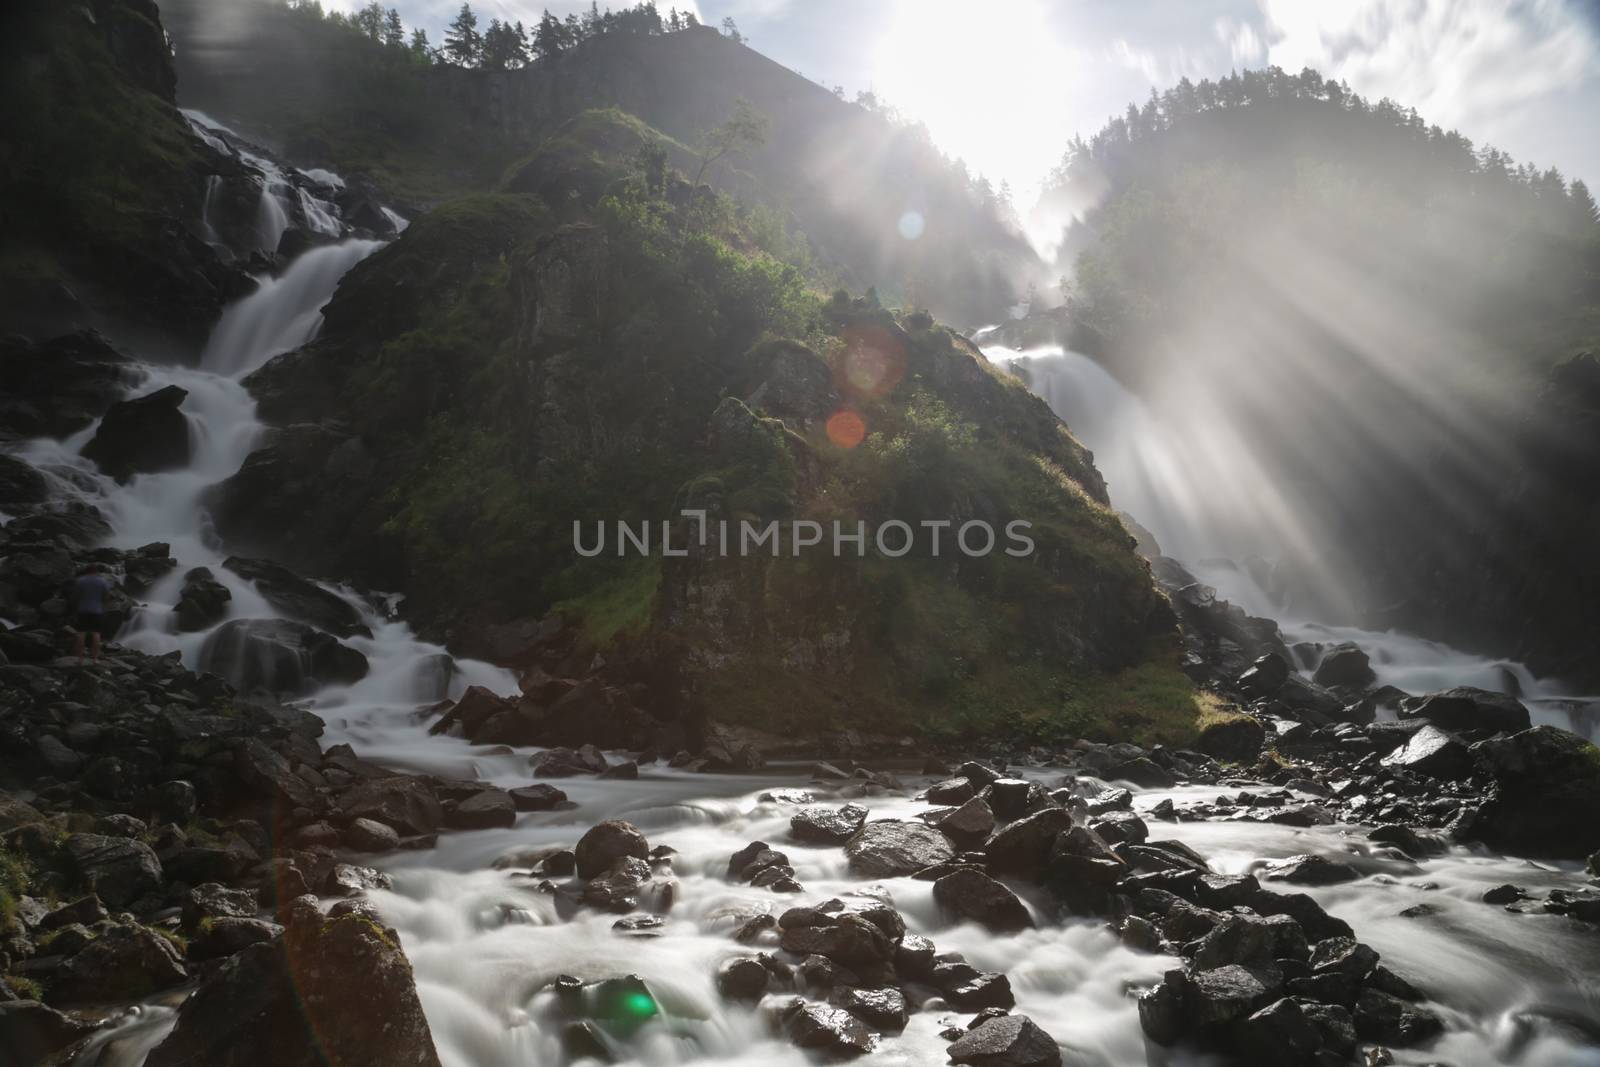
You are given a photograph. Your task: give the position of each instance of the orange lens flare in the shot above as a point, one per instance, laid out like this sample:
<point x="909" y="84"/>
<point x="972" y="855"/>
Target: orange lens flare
<point x="846" y="429"/>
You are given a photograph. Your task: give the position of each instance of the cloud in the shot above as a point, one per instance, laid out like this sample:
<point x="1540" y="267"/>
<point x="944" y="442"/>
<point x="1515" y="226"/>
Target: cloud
<point x="1245" y="46"/>
<point x="1473" y="63"/>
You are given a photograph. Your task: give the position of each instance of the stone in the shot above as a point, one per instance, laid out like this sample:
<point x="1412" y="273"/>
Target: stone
<point x="1162" y="1009"/>
<point x="1310" y="869"/>
<point x="1387" y="1019"/>
<point x="369" y="835"/>
<point x="620" y="887"/>
<point x="142" y="435"/>
<point x="1433" y="752"/>
<point x="890" y="848"/>
<point x="1467" y="708"/>
<point x="607" y="842"/>
<point x="221" y="937"/>
<point x="850" y="940"/>
<point x="116" y="869"/>
<point x="742" y="978"/>
<point x="1007" y="1041"/>
<point x="1503" y="894"/>
<point x="567" y="762"/>
<point x="214" y="901"/>
<point x="401" y="802"/>
<point x="1280" y="1033"/>
<point x="31" y="1032"/>
<point x="202" y="603"/>
<point x="952" y="791"/>
<point x="1343" y="955"/>
<point x="1013" y="798"/>
<point x="969" y="824"/>
<point x="331" y="990"/>
<point x="832" y="1031"/>
<point x="1235" y="738"/>
<point x="1548" y="781"/>
<point x="125" y="962"/>
<point x="881" y="1009"/>
<point x="1220" y="996"/>
<point x="1022" y="848"/>
<point x="1344" y="664"/>
<point x="298" y="598"/>
<point x="1142" y="771"/>
<point x="484" y="810"/>
<point x="827" y="826"/>
<point x="537" y="797"/>
<point x="988" y="989"/>
<point x="969" y="894"/>
<point x="280" y="657"/>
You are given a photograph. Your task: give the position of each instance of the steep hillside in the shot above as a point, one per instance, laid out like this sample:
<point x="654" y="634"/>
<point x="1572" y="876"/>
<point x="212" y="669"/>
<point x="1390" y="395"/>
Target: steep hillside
<point x="517" y="369"/>
<point x="836" y="172"/>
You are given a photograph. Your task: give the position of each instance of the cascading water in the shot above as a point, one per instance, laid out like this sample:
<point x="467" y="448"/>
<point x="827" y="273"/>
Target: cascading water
<point x="1165" y="485"/>
<point x="484" y="942"/>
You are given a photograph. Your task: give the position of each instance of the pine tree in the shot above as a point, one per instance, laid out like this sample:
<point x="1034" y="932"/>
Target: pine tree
<point x="1583" y="202"/>
<point x="550" y="36"/>
<point x="394" y="32"/>
<point x="420" y="49"/>
<point x="730" y="30"/>
<point x="463" y="44"/>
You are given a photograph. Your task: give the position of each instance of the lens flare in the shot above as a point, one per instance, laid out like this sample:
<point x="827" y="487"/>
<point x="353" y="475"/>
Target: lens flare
<point x="871" y="363"/>
<point x="846" y="429"/>
<point x="912" y="224"/>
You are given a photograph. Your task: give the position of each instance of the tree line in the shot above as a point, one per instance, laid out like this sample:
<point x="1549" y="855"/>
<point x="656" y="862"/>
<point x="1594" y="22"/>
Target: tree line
<point x="506" y="45"/>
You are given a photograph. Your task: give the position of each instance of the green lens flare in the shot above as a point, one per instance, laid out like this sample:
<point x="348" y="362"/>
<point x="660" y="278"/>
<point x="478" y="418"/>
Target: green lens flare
<point x="640" y="1004"/>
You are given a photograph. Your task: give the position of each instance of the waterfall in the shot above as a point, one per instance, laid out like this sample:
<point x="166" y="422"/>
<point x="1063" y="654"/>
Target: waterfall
<point x="284" y="312"/>
<point x="1170" y="486"/>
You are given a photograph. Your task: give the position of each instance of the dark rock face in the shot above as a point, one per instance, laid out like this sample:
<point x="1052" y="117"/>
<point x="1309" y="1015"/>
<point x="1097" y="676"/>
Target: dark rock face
<point x="607" y="842"/>
<point x="827" y="826"/>
<point x="1238" y="739"/>
<point x="891" y="849"/>
<point x="1545" y="779"/>
<point x="1466" y="708"/>
<point x="280" y="657"/>
<point x="403" y="804"/>
<point x="145" y="434"/>
<point x="298" y="598"/>
<point x="123" y="963"/>
<point x="1344" y="664"/>
<point x="21" y="486"/>
<point x="1008" y="1041"/>
<point x="1022" y="848"/>
<point x="32" y="1032"/>
<point x="203" y="602"/>
<point x="117" y="869"/>
<point x="55" y="388"/>
<point x="328" y="993"/>
<point x="1433" y="752"/>
<point x="970" y="894"/>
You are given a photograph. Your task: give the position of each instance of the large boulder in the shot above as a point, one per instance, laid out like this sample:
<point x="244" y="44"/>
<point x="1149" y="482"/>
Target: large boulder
<point x="1547" y="788"/>
<point x="118" y="869"/>
<point x="1022" y="848"/>
<point x="32" y="1032"/>
<point x="607" y="842"/>
<point x="971" y="894"/>
<point x="1006" y="1041"/>
<point x="331" y="992"/>
<point x="145" y="434"/>
<point x="298" y="598"/>
<point x="403" y="803"/>
<point x="1433" y="752"/>
<point x="21" y="486"/>
<point x="125" y="962"/>
<point x="202" y="603"/>
<point x="1466" y="708"/>
<point x="1344" y="664"/>
<point x="284" y="658"/>
<point x="890" y="848"/>
<point x="827" y="826"/>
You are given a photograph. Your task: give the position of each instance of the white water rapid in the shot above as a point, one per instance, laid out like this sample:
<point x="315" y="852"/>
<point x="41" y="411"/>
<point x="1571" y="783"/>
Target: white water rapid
<point x="483" y="942"/>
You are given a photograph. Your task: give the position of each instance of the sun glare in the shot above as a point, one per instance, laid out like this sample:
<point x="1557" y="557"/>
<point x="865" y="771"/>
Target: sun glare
<point x="990" y="81"/>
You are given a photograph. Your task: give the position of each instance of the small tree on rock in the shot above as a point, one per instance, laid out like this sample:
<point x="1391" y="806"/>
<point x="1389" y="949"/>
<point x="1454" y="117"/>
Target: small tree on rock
<point x="745" y="129"/>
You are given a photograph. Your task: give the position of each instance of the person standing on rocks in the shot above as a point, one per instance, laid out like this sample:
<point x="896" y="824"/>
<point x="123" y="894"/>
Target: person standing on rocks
<point x="89" y="591"/>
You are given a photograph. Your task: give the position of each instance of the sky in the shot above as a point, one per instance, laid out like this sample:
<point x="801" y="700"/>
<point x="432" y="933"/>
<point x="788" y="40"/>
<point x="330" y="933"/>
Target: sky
<point x="1004" y="84"/>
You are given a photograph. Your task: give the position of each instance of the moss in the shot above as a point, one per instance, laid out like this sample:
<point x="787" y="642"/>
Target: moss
<point x="14" y="883"/>
<point x="25" y="988"/>
<point x="177" y="940"/>
<point x="620" y="607"/>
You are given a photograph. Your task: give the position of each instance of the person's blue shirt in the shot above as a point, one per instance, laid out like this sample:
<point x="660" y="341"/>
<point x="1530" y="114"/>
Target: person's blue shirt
<point x="88" y="594"/>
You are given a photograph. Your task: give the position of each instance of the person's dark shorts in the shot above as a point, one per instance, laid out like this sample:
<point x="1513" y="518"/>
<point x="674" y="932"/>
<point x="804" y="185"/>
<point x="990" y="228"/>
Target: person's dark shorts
<point x="86" y="624"/>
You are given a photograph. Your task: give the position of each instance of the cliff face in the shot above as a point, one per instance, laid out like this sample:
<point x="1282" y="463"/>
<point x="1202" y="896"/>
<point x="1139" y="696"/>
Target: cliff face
<point x="839" y="173"/>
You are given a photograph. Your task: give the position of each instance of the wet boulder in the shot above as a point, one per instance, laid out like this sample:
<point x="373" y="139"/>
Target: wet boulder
<point x="1220" y="996"/>
<point x="202" y="603"/>
<point x="1014" y="798"/>
<point x="1236" y="738"/>
<point x="568" y="762"/>
<point x="1466" y="708"/>
<point x="1278" y="1034"/>
<point x="1344" y="664"/>
<point x="483" y="810"/>
<point x="972" y="895"/>
<point x="142" y="435"/>
<point x="298" y="598"/>
<point x="116" y="869"/>
<point x="890" y="848"/>
<point x="279" y="656"/>
<point x="1433" y="752"/>
<point x="537" y="797"/>
<point x="607" y="842"/>
<point x="21" y="486"/>
<point x="881" y="1009"/>
<point x="969" y="824"/>
<point x="32" y="1032"/>
<point x="331" y="990"/>
<point x="1022" y="848"/>
<point x="1385" y="1018"/>
<point x="1006" y="1041"/>
<point x="124" y="962"/>
<point x="827" y="826"/>
<point x="401" y="802"/>
<point x="1547" y="784"/>
<point x="1310" y="869"/>
<point x="1265" y="676"/>
<point x="742" y="978"/>
<point x="831" y="1031"/>
<point x="950" y="791"/>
